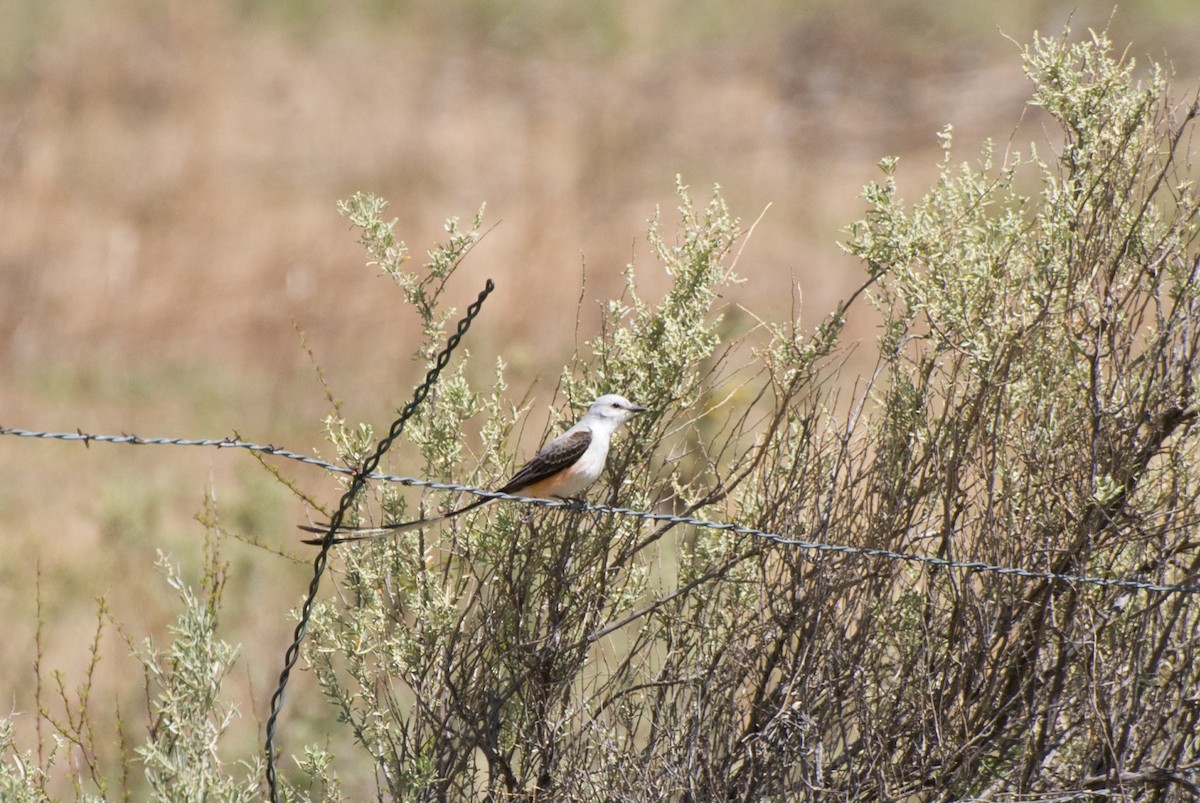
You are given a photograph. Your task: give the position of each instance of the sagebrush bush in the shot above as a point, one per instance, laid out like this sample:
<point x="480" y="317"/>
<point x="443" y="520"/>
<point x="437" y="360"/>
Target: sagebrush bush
<point x="1032" y="407"/>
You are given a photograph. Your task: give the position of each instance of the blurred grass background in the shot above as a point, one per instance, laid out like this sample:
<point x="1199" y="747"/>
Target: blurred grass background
<point x="168" y="174"/>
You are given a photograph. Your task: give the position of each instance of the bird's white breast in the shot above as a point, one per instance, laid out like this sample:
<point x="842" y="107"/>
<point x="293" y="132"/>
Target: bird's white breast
<point x="587" y="469"/>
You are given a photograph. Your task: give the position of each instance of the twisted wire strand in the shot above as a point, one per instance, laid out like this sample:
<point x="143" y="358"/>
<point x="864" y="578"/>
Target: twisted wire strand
<point x="359" y="479"/>
<point x="367" y="472"/>
<point x="801" y="543"/>
<point x="645" y="515"/>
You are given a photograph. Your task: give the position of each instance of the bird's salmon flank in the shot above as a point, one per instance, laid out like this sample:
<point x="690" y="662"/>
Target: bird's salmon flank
<point x="556" y="457"/>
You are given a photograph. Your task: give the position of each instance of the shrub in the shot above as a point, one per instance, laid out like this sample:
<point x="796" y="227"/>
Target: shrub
<point x="1032" y="407"/>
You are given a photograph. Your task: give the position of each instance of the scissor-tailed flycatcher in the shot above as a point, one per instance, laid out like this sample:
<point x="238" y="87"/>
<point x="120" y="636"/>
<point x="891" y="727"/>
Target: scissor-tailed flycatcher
<point x="562" y="469"/>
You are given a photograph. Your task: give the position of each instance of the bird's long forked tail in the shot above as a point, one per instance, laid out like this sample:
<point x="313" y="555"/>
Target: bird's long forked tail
<point x="367" y="533"/>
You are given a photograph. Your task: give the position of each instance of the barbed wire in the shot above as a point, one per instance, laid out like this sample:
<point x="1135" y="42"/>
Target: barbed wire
<point x="1132" y="584"/>
<point x="812" y="546"/>
<point x="137" y="440"/>
<point x="358" y="480"/>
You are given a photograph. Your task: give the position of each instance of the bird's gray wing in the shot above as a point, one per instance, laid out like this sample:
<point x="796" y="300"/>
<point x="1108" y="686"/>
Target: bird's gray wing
<point x="557" y="455"/>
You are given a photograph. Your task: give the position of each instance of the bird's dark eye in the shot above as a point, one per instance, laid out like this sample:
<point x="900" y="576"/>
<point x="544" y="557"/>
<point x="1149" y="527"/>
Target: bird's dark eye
<point x="617" y="405"/>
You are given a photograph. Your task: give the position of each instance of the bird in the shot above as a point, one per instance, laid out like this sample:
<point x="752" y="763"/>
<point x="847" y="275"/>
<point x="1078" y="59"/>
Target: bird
<point x="563" y="468"/>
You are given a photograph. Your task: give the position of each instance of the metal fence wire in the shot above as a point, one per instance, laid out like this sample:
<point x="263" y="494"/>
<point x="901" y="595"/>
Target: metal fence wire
<point x="367" y="472"/>
<point x="1130" y="583"/>
<point x="358" y="480"/>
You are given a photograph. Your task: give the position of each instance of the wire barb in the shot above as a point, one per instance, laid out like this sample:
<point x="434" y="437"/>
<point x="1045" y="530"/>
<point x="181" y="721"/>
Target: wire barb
<point x="367" y="472"/>
<point x="797" y="542"/>
<point x="646" y="515"/>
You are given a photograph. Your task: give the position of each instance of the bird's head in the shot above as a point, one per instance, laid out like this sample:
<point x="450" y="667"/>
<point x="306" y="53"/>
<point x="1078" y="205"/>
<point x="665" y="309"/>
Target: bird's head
<point x="614" y="408"/>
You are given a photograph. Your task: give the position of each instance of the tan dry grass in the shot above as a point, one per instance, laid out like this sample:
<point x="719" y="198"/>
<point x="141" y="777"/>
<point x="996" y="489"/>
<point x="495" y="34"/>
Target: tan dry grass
<point x="176" y="169"/>
<point x="168" y="175"/>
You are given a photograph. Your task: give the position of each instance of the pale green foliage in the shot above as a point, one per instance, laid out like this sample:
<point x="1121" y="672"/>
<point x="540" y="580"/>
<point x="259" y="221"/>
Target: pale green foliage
<point x="440" y="625"/>
<point x="1033" y="406"/>
<point x="19" y="772"/>
<point x="421" y="290"/>
<point x="323" y="781"/>
<point x="378" y="237"/>
<point x="181" y="756"/>
<point x="1039" y="350"/>
<point x="354" y="443"/>
<point x="1054" y="296"/>
<point x="651" y="351"/>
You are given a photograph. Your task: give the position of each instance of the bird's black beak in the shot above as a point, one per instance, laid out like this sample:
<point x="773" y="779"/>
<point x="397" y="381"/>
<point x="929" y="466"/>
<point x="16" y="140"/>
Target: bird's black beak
<point x="636" y="408"/>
